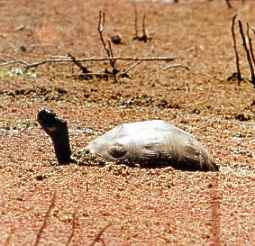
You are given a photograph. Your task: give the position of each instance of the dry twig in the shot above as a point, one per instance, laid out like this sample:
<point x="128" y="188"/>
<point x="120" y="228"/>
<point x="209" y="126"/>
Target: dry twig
<point x="248" y="55"/>
<point x="65" y="60"/>
<point x="125" y="72"/>
<point x="238" y="72"/>
<point x="98" y="236"/>
<point x="144" y="36"/>
<point x="177" y="66"/>
<point x="84" y="71"/>
<point x="45" y="221"/>
<point x="135" y="24"/>
<point x="228" y="4"/>
<point x="253" y="29"/>
<point x="250" y="44"/>
<point x="108" y="50"/>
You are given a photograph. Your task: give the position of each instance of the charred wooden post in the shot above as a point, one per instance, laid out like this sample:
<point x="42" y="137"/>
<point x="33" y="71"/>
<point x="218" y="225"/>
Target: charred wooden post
<point x="57" y="129"/>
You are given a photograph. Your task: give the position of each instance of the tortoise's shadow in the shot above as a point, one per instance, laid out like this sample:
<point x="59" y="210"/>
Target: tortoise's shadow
<point x="190" y="166"/>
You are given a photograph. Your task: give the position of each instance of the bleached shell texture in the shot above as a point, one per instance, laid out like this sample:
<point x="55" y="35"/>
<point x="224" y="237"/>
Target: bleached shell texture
<point x="153" y="141"/>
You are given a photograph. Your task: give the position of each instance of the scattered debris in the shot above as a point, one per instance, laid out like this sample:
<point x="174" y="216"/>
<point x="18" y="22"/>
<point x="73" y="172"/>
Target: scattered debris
<point x="116" y="39"/>
<point x="243" y="116"/>
<point x="40" y="177"/>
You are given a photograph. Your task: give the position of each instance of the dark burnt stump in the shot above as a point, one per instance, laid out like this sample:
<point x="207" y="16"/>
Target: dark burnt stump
<point x="57" y="129"/>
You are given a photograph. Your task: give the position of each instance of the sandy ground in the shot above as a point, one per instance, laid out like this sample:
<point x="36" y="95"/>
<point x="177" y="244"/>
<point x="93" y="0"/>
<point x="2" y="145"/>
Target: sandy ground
<point x="97" y="203"/>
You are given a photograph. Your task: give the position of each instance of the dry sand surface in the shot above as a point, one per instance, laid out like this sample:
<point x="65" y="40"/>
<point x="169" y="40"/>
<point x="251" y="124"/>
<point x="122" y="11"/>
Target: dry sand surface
<point x="98" y="203"/>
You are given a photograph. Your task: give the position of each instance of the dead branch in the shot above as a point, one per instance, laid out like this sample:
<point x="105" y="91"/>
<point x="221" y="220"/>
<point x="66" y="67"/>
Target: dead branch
<point x="45" y="221"/>
<point x="84" y="70"/>
<point x="78" y="64"/>
<point x="113" y="62"/>
<point x="66" y="60"/>
<point x="144" y="29"/>
<point x="253" y="29"/>
<point x="130" y="68"/>
<point x="99" y="234"/>
<point x="144" y="37"/>
<point x="135" y="24"/>
<point x="13" y="62"/>
<point x="100" y="29"/>
<point x="108" y="50"/>
<point x="250" y="43"/>
<point x="238" y="75"/>
<point x="73" y="229"/>
<point x="176" y="66"/>
<point x="228" y="4"/>
<point x="247" y="52"/>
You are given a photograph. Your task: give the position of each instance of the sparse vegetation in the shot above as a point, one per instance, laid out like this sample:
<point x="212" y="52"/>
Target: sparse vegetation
<point x="144" y="206"/>
<point x="248" y="48"/>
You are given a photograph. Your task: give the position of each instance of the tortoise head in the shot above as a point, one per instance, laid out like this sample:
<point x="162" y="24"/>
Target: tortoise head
<point x="57" y="129"/>
<point x="49" y="121"/>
